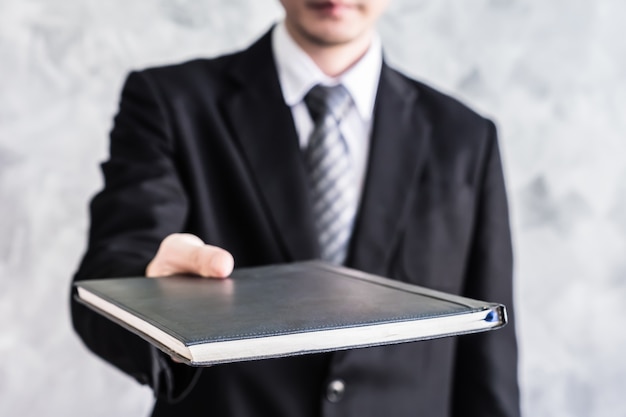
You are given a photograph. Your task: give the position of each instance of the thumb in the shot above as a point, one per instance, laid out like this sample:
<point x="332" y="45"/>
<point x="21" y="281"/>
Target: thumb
<point x="184" y="253"/>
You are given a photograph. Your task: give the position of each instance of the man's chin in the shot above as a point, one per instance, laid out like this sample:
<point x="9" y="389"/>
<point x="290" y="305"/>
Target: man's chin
<point x="330" y="36"/>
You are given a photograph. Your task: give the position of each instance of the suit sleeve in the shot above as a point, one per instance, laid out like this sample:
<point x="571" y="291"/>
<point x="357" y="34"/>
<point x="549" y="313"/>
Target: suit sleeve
<point x="142" y="202"/>
<point x="486" y="370"/>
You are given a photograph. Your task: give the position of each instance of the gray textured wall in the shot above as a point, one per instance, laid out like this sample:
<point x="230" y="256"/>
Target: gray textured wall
<point x="552" y="73"/>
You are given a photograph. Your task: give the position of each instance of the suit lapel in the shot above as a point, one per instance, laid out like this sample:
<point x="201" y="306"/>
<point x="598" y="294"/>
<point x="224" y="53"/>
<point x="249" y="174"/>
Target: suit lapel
<point x="398" y="149"/>
<point x="264" y="127"/>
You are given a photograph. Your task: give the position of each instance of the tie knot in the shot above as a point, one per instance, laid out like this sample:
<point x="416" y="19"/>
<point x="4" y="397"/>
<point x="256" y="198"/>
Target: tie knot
<point x="323" y="101"/>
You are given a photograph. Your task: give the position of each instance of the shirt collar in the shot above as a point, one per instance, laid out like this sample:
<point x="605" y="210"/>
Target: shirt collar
<point x="298" y="73"/>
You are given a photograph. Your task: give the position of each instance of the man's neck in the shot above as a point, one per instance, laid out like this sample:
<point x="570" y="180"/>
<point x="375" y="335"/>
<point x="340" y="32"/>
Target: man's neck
<point x="334" y="60"/>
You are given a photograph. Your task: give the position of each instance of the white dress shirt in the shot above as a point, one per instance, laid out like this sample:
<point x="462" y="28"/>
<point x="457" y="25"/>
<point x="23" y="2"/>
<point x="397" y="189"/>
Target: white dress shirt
<point x="298" y="73"/>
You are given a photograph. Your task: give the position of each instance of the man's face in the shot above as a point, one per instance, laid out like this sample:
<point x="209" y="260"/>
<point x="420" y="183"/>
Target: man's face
<point x="331" y="22"/>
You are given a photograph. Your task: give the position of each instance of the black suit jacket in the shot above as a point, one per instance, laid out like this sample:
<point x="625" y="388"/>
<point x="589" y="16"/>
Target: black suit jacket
<point x="209" y="147"/>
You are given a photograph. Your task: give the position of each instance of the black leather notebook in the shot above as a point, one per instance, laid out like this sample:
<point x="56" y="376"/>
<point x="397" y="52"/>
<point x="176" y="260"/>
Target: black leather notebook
<point x="282" y="310"/>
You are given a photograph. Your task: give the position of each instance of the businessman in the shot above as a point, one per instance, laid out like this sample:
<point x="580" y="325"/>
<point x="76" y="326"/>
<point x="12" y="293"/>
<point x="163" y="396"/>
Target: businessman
<point x="307" y="145"/>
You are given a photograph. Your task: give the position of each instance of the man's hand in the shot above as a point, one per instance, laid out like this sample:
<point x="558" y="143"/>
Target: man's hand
<point x="183" y="253"/>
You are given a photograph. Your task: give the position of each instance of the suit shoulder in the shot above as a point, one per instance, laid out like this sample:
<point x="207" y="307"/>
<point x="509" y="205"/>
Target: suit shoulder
<point x="456" y="129"/>
<point x="190" y="73"/>
<point x="442" y="106"/>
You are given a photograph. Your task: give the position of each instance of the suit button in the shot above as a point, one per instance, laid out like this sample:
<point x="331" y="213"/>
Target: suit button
<point x="335" y="391"/>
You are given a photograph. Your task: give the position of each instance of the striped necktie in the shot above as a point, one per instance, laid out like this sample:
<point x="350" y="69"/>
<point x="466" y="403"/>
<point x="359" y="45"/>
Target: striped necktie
<point x="330" y="173"/>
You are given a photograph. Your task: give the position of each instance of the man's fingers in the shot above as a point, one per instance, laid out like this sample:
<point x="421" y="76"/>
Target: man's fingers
<point x="211" y="261"/>
<point x="183" y="253"/>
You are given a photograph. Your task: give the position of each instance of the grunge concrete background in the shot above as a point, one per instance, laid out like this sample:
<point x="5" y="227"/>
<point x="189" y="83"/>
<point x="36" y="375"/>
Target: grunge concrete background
<point x="551" y="73"/>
